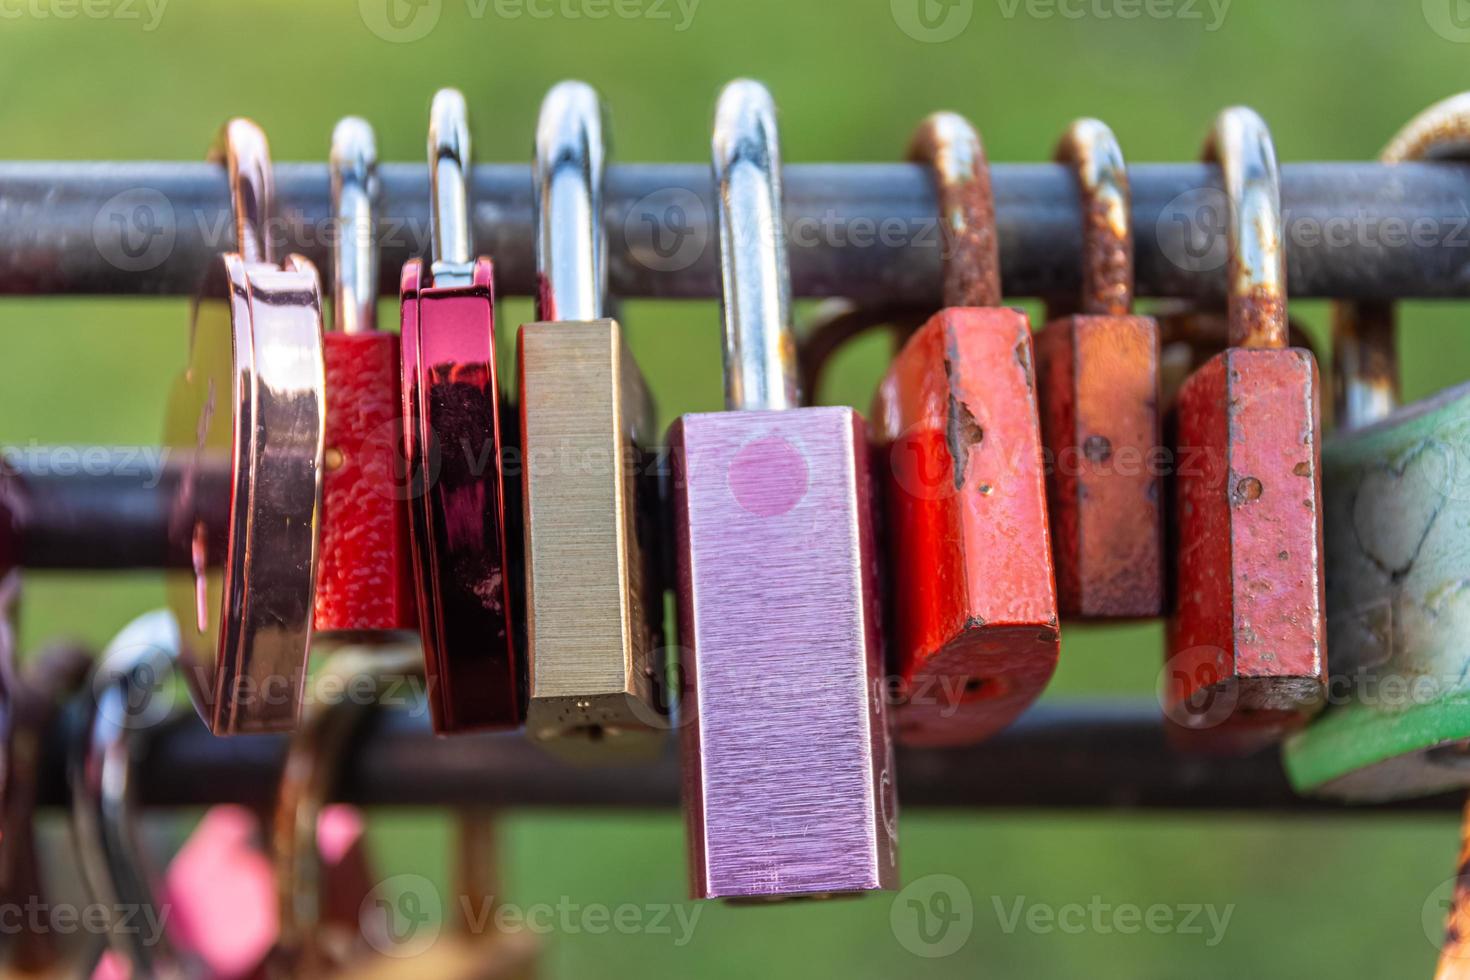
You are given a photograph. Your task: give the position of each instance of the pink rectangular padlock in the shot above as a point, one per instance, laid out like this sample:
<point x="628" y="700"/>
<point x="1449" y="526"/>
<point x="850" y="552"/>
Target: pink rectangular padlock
<point x="788" y="766"/>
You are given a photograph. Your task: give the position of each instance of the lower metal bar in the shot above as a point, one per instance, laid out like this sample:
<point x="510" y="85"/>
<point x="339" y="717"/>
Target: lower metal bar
<point x="1062" y="755"/>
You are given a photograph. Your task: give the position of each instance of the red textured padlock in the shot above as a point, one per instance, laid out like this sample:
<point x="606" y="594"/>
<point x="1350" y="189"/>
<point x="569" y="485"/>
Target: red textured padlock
<point x="1247" y="658"/>
<point x="957" y="422"/>
<point x="1098" y="375"/>
<point x="451" y="411"/>
<point x="364" y="582"/>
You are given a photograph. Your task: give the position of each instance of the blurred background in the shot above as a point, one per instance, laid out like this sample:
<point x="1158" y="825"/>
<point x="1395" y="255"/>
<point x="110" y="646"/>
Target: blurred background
<point x="152" y="79"/>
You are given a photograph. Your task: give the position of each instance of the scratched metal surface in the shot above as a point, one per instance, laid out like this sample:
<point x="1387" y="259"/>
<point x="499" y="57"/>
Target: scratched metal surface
<point x="787" y="763"/>
<point x="1248" y="621"/>
<point x="1397" y="517"/>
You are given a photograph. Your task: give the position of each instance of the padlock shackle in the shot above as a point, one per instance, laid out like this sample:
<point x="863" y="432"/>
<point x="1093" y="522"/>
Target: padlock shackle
<point x="309" y="776"/>
<point x="1365" y="370"/>
<point x="760" y="345"/>
<point x="951" y="148"/>
<point x="242" y="148"/>
<point x="1240" y="144"/>
<point x="571" y="241"/>
<point x="451" y="243"/>
<point x="1092" y="152"/>
<point x="353" y="165"/>
<point x="113" y="861"/>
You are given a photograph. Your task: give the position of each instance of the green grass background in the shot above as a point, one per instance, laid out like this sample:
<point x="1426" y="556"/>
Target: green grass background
<point x="1334" y="77"/>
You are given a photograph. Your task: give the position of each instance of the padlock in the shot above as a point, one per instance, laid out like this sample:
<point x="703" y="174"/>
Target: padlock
<point x="246" y="419"/>
<point x="223" y="878"/>
<point x="1397" y="512"/>
<point x="322" y="873"/>
<point x="476" y="944"/>
<point x="1246" y="652"/>
<point x="957" y="427"/>
<point x="1097" y="374"/>
<point x="594" y="599"/>
<point x="452" y="443"/>
<point x="364" y="581"/>
<point x="29" y="702"/>
<point x="788" y="767"/>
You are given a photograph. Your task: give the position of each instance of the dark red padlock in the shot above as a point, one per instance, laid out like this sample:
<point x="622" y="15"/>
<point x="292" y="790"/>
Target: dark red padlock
<point x="1247" y="657"/>
<point x="364" y="582"/>
<point x="957" y="424"/>
<point x="452" y="443"/>
<point x="1098" y="373"/>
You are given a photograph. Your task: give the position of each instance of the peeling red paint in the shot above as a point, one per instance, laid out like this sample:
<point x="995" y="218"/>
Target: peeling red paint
<point x="975" y="631"/>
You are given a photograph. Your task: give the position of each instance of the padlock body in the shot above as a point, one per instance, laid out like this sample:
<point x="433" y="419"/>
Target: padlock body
<point x="973" y="593"/>
<point x="1098" y="378"/>
<point x="594" y="596"/>
<point x="364" y="575"/>
<point x="1398" y="613"/>
<point x="247" y="417"/>
<point x="456" y="502"/>
<point x="1246" y="641"/>
<point x="787" y="763"/>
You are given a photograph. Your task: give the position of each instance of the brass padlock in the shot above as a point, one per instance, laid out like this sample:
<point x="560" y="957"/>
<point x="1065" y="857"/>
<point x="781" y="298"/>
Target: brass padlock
<point x="594" y="598"/>
<point x="1246" y="645"/>
<point x="1397" y="517"/>
<point x="1097" y="374"/>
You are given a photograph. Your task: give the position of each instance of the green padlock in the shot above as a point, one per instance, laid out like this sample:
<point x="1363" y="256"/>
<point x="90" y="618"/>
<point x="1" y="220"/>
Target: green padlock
<point x="1397" y="529"/>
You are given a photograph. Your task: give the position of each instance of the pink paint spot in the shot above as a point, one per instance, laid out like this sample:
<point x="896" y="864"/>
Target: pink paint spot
<point x="768" y="476"/>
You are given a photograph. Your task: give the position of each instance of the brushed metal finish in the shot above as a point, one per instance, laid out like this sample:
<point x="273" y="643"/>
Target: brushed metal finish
<point x="593" y="596"/>
<point x="788" y="768"/>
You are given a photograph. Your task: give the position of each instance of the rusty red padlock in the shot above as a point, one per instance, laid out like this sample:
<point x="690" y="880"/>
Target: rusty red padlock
<point x="1246" y="641"/>
<point x="452" y="442"/>
<point x="956" y="421"/>
<point x="1098" y="377"/>
<point x="364" y="582"/>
